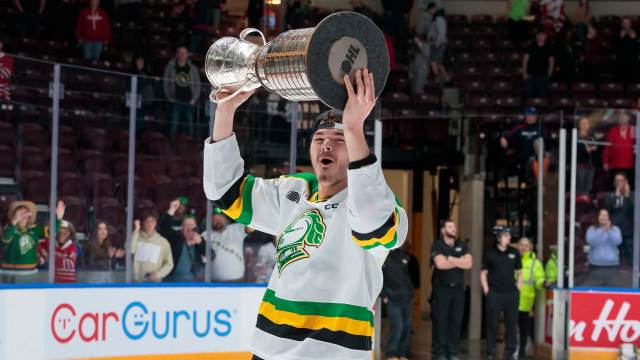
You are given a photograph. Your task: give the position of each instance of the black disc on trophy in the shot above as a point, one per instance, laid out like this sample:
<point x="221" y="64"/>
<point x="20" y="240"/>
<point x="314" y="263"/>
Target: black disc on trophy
<point x="342" y="43"/>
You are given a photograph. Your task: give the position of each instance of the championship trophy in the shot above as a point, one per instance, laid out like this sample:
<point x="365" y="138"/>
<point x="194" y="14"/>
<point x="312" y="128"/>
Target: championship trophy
<point x="301" y="65"/>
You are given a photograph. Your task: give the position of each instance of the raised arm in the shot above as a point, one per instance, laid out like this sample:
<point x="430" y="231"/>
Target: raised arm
<point x="246" y="199"/>
<point x="378" y="221"/>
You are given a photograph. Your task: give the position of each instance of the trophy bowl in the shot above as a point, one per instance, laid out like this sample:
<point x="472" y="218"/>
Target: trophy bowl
<point x="303" y="64"/>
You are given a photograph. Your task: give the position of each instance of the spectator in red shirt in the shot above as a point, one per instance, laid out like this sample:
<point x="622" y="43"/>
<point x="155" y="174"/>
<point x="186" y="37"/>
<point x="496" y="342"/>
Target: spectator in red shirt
<point x="66" y="254"/>
<point x="93" y="30"/>
<point x="6" y="71"/>
<point x="618" y="157"/>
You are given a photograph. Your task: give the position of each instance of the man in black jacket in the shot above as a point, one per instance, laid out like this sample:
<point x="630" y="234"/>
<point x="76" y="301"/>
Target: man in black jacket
<point x="397" y="294"/>
<point x="620" y="205"/>
<point x="170" y="223"/>
<point x="188" y="254"/>
<point x="174" y="227"/>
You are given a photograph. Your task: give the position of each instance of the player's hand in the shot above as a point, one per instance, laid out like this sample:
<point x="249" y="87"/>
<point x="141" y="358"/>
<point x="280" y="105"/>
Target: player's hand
<point x="385" y="300"/>
<point x="112" y="252"/>
<point x="136" y="225"/>
<point x="153" y="277"/>
<point x="232" y="104"/>
<point x="360" y="101"/>
<point x="197" y="239"/>
<point x="120" y="253"/>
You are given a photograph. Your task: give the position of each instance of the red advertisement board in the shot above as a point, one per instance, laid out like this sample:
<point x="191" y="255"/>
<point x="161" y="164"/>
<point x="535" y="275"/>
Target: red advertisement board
<point x="603" y="319"/>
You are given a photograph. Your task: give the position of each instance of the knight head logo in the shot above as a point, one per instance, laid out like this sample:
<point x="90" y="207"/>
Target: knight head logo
<point x="308" y="229"/>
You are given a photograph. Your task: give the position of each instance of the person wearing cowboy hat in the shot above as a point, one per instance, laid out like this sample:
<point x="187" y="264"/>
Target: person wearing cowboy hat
<point x="21" y="237"/>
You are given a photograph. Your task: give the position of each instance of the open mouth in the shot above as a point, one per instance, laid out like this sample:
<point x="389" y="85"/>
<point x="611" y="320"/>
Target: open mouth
<point x="326" y="161"/>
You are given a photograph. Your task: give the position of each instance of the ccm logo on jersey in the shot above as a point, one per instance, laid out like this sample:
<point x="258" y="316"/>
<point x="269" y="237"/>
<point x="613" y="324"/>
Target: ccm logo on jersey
<point x="331" y="206"/>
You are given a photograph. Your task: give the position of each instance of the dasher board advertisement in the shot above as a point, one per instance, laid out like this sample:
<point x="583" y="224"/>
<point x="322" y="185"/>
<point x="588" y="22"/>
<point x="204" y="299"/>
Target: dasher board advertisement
<point x="129" y="321"/>
<point x="601" y="321"/>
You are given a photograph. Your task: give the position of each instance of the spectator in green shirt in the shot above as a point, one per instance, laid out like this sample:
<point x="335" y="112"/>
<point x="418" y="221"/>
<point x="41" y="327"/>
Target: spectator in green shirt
<point x="21" y="237"/>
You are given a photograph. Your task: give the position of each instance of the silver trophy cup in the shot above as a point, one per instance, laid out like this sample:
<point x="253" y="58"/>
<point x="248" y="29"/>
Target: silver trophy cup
<point x="301" y="65"/>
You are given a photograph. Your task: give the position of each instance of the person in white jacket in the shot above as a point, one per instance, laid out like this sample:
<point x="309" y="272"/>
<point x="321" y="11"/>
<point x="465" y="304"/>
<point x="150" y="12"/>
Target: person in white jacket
<point x="333" y="229"/>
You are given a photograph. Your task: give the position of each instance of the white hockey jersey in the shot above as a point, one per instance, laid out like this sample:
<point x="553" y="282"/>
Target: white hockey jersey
<point x="330" y="252"/>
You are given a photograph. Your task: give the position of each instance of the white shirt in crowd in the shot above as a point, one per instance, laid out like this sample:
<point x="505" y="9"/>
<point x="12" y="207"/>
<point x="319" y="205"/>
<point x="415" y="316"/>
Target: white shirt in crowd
<point x="228" y="247"/>
<point x="266" y="262"/>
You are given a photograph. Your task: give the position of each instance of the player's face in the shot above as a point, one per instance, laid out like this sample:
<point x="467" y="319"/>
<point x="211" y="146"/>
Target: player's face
<point x="329" y="156"/>
<point x="531" y="118"/>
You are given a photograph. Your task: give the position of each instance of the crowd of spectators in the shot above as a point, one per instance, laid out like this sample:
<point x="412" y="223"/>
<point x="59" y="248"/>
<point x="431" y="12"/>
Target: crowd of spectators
<point x="553" y="45"/>
<point x="164" y="248"/>
<point x="573" y="48"/>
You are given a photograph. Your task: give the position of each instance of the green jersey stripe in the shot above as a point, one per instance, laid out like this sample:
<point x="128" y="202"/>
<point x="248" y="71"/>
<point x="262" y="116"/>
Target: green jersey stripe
<point x="318" y="308"/>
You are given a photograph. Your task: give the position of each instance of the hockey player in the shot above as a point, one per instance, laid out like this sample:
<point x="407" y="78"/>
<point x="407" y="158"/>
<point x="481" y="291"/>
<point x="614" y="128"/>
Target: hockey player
<point x="334" y="229"/>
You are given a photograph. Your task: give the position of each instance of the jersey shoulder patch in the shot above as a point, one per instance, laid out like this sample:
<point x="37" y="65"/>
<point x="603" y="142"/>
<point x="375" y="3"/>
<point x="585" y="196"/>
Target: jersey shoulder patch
<point x="296" y="186"/>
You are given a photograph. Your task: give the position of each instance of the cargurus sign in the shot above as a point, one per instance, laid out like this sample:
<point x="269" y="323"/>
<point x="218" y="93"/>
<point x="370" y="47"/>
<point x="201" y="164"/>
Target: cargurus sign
<point x="171" y="322"/>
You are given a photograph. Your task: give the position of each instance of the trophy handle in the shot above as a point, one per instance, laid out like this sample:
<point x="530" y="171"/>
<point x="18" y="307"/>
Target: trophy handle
<point x="212" y="95"/>
<point x="247" y="31"/>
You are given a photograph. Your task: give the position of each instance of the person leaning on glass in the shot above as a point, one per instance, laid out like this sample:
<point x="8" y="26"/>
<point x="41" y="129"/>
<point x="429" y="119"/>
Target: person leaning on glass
<point x="100" y="256"/>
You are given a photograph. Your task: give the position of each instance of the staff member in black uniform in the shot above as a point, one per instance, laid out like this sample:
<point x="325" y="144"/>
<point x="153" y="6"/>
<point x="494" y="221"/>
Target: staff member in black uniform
<point x="450" y="257"/>
<point x="501" y="280"/>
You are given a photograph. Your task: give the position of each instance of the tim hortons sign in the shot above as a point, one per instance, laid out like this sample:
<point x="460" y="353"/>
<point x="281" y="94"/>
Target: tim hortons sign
<point x="604" y="319"/>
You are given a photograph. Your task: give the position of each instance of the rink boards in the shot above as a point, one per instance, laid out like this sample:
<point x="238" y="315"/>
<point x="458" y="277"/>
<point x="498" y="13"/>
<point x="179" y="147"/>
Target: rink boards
<point x="186" y="321"/>
<point x="601" y="320"/>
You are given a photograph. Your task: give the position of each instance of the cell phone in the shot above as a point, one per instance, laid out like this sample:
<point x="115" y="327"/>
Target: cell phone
<point x="183" y="200"/>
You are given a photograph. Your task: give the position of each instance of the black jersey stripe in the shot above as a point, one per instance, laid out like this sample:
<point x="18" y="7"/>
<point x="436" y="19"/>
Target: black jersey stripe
<point x="231" y="195"/>
<point x="378" y="233"/>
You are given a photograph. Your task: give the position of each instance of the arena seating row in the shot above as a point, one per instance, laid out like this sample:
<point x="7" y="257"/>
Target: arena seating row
<point x="93" y="169"/>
